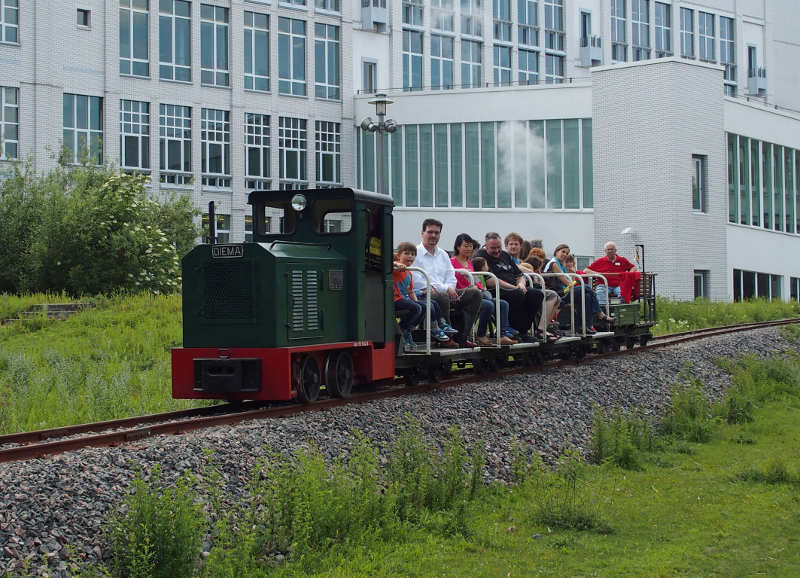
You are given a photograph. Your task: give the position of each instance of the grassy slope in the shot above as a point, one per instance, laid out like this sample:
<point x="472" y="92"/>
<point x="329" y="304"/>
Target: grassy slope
<point x="107" y="362"/>
<point x="676" y="316"/>
<point x="685" y="514"/>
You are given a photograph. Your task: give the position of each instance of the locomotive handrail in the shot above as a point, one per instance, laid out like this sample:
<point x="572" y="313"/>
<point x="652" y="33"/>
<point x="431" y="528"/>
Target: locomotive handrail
<point x="427" y="306"/>
<point x="470" y="275"/>
<point x="529" y="277"/>
<point x="284" y="242"/>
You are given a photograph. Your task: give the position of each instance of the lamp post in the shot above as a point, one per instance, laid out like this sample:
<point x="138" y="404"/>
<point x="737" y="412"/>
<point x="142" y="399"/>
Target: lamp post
<point x="383" y="126"/>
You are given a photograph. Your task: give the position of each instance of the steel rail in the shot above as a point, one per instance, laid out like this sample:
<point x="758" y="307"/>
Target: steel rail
<point x="36" y="445"/>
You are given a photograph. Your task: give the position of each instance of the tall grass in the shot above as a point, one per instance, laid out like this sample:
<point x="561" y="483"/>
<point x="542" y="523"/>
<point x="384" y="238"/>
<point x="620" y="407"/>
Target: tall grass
<point x="12" y="305"/>
<point x="107" y="362"/>
<point x="676" y="316"/>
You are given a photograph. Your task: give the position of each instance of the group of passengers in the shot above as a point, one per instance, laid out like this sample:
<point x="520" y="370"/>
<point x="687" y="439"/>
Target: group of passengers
<point x="527" y="309"/>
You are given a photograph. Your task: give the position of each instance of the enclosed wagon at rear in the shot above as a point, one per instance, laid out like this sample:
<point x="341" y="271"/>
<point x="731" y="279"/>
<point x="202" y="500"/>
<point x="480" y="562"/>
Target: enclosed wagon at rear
<point x="307" y="304"/>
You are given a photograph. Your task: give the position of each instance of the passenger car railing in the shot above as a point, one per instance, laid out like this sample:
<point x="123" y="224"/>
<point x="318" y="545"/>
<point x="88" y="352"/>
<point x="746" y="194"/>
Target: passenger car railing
<point x="427" y="304"/>
<point x="529" y="277"/>
<point x="471" y="276"/>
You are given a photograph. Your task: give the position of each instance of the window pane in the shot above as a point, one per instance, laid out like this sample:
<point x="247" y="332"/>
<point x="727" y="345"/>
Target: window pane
<point x="472" y="163"/>
<point x="588" y="185"/>
<point x="455" y="166"/>
<point x="553" y="129"/>
<point x="487" y="164"/>
<point x="426" y="165"/>
<point x="571" y="165"/>
<point x="442" y="164"/>
<point x="412" y="176"/>
<point x="397" y="167"/>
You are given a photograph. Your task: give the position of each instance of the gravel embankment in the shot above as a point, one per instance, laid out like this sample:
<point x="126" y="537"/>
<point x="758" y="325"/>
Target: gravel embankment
<point x="51" y="506"/>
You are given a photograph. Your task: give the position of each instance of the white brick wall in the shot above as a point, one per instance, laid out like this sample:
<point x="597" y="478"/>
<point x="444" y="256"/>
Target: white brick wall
<point x="648" y="121"/>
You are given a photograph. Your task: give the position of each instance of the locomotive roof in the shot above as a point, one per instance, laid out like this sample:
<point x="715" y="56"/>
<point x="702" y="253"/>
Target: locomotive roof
<point x="340" y="193"/>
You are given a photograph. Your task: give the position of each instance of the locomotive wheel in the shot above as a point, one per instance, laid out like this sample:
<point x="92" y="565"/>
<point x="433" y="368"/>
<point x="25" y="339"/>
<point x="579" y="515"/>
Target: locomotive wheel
<point x="307" y="379"/>
<point x="643" y="339"/>
<point x="630" y="342"/>
<point x="339" y="374"/>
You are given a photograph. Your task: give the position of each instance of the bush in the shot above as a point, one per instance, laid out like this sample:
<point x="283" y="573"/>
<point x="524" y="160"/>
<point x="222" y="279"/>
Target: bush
<point x="157" y="532"/>
<point x="689" y="415"/>
<point x="89" y="230"/>
<point x="620" y="437"/>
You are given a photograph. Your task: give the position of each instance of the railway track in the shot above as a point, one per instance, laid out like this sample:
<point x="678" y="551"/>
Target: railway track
<point x="42" y="443"/>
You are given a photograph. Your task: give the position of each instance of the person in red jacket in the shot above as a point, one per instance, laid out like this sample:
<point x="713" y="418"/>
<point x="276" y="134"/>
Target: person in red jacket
<point x="610" y="266"/>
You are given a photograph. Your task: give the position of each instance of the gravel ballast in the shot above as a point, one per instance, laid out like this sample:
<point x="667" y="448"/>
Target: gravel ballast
<point x="53" y="510"/>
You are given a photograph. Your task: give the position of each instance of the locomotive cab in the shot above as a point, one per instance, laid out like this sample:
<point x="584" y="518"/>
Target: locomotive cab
<point x="314" y="283"/>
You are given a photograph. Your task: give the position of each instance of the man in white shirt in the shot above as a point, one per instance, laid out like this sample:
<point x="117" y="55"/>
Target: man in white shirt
<point x="436" y="263"/>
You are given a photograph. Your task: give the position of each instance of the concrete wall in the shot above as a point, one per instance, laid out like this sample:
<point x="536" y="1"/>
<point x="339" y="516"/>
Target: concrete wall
<point x="648" y="121"/>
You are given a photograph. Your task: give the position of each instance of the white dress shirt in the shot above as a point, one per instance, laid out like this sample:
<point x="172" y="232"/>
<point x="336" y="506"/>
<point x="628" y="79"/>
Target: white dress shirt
<point x="438" y="267"/>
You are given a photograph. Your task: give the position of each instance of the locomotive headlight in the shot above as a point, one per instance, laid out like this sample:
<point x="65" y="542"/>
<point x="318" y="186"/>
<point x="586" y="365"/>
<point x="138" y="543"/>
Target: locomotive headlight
<point x="299" y="202"/>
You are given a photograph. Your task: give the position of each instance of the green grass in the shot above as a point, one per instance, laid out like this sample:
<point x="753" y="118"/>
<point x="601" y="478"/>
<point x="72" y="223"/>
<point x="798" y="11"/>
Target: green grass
<point x="108" y="362"/>
<point x="12" y="305"/>
<point x="676" y="316"/>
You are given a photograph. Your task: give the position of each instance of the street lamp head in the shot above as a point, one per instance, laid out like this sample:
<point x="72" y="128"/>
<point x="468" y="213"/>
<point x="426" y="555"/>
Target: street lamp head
<point x="368" y="125"/>
<point x="381" y="103"/>
<point x="389" y="125"/>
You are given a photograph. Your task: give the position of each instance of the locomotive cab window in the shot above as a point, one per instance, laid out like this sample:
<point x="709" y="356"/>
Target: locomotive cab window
<point x="333" y="216"/>
<point x="275" y="218"/>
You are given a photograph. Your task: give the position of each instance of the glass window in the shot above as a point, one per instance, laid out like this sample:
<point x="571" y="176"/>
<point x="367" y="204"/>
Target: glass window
<point x="536" y="169"/>
<point x="699" y="183"/>
<point x="175" y="144"/>
<point x="487" y="164"/>
<point x="788" y="168"/>
<point x="586" y="163"/>
<point x="83" y="128"/>
<point x="572" y="175"/>
<point x="412" y="166"/>
<point x="528" y="67"/>
<point x="413" y="12"/>
<point x="442" y="15"/>
<point x="174" y="40"/>
<point x="426" y="165"/>
<point x="396" y="166"/>
<point x="328" y="153"/>
<point x="9" y="21"/>
<point x="369" y="77"/>
<point x="257" y="157"/>
<point x="222" y="227"/>
<point x="744" y="180"/>
<point x="412" y="60"/>
<point x="797" y="190"/>
<point x="369" y="159"/>
<point x="777" y="163"/>
<point x="134" y="38"/>
<point x="84" y="18"/>
<point x="470" y="64"/>
<point x="328" y="5"/>
<point x="554" y="69"/>
<point x="502" y="19"/>
<point x="215" y="142"/>
<point x="214" y="68"/>
<point x="554" y="164"/>
<point x="134" y="134"/>
<point x="528" y="28"/>
<point x="755" y="182"/>
<point x="663" y="30"/>
<point x="727" y="53"/>
<point x="705" y="25"/>
<point x="700" y="284"/>
<point x="472" y="163"/>
<point x="327" y="80"/>
<point x="619" y="43"/>
<point x="766" y="165"/>
<point x="640" y="23"/>
<point x="292" y="148"/>
<point x="291" y="56"/>
<point x="9" y="122"/>
<point x="554" y="24"/>
<point x="441" y="62"/>
<point x="301" y="3"/>
<point x="248" y="228"/>
<point x="256" y="51"/>
<point x="441" y="165"/>
<point x="687" y="33"/>
<point x="456" y="165"/>
<point x="733" y="196"/>
<point x="502" y="65"/>
<point x="471" y="15"/>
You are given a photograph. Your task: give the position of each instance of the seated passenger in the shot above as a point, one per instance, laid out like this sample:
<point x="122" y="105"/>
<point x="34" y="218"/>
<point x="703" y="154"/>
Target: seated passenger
<point x="406" y="300"/>
<point x="552" y="301"/>
<point x="513" y="243"/>
<point x="436" y="263"/>
<point x="524" y="304"/>
<point x="508" y="335"/>
<point x="583" y="295"/>
<point x="610" y="266"/>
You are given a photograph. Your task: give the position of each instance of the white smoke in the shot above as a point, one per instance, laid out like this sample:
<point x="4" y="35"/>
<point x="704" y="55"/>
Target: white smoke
<point x="521" y="161"/>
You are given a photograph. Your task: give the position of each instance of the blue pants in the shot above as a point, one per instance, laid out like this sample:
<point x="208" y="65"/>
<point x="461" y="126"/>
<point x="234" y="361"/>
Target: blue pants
<point x="603" y="293"/>
<point x="416" y="313"/>
<point x="486" y="312"/>
<point x="587" y="300"/>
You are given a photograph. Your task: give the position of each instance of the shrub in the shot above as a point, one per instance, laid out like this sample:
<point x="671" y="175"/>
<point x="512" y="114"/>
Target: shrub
<point x="620" y="437"/>
<point x="157" y="532"/>
<point x="88" y="230"/>
<point x="689" y="415"/>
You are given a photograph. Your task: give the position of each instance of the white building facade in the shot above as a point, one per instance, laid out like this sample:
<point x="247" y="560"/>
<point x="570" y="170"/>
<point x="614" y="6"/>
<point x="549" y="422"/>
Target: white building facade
<point x="563" y="120"/>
